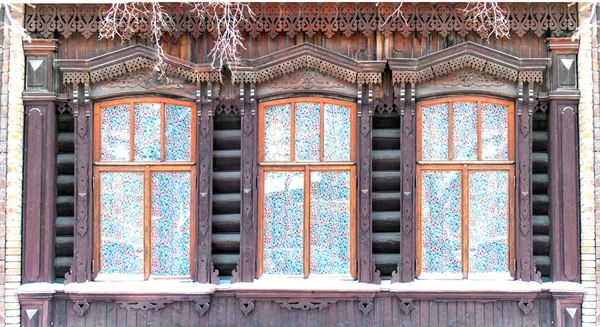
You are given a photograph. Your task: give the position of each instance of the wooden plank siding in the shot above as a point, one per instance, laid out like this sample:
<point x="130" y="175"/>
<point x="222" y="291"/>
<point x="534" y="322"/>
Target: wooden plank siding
<point x="386" y="311"/>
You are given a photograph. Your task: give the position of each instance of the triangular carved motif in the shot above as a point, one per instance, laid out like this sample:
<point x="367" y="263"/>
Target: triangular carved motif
<point x="35" y="64"/>
<point x="31" y="313"/>
<point x="572" y="312"/>
<point x="567" y="62"/>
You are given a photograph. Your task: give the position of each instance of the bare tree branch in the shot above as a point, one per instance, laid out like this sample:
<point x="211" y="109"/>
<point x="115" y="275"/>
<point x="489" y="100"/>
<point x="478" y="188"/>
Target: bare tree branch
<point x="488" y="19"/>
<point x="585" y="25"/>
<point x="11" y="24"/>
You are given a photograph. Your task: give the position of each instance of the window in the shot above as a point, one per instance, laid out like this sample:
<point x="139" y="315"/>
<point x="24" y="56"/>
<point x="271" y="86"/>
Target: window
<point x="307" y="187"/>
<point x="465" y="185"/>
<point x="144" y="185"/>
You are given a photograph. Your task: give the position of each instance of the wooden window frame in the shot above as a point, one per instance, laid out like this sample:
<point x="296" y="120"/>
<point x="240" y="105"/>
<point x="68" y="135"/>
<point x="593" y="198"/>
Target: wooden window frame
<point x="307" y="167"/>
<point x="464" y="167"/>
<point x="147" y="167"/>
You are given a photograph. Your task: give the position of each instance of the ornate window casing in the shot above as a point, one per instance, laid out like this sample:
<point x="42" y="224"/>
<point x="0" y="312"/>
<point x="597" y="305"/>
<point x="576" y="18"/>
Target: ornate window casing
<point x="144" y="189"/>
<point x="465" y="188"/>
<point x="307" y="163"/>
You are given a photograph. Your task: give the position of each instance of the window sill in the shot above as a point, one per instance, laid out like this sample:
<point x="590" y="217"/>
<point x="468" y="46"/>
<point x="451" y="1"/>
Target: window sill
<point x="162" y="287"/>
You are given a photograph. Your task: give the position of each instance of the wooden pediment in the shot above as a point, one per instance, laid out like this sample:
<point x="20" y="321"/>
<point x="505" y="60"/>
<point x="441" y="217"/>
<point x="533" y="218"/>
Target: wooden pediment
<point x="131" y="59"/>
<point x="468" y="55"/>
<point x="308" y="55"/>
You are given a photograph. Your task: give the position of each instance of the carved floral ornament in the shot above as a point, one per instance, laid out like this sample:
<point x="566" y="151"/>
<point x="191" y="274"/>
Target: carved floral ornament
<point x="311" y="18"/>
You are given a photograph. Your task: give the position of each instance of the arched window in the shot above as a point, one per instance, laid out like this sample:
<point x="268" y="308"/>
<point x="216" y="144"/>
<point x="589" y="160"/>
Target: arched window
<point x="307" y="188"/>
<point x="465" y="186"/>
<point x="144" y="178"/>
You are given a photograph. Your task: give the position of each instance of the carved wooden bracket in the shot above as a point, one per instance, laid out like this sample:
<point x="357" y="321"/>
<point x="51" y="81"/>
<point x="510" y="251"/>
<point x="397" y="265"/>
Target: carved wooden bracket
<point x="526" y="305"/>
<point x="365" y="306"/>
<point x="407" y="305"/>
<point x="246" y="305"/>
<point x="202" y="306"/>
<point x="81" y="307"/>
<point x="144" y="305"/>
<point x="305" y="305"/>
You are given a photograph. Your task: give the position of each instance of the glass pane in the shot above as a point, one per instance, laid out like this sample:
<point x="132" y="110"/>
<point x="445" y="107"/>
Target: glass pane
<point x="464" y="131"/>
<point x="488" y="222"/>
<point x="147" y="132"/>
<point x="337" y="133"/>
<point x="434" y="132"/>
<point x="283" y="227"/>
<point x="171" y="224"/>
<point x="440" y="221"/>
<point x="307" y="138"/>
<point x="115" y="133"/>
<point x="494" y="132"/>
<point x="178" y="133"/>
<point x="278" y="133"/>
<point x="122" y="223"/>
<point x="330" y="222"/>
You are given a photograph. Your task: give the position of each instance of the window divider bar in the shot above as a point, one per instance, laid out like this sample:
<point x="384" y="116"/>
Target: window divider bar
<point x="465" y="221"/>
<point x="306" y="224"/>
<point x="293" y="132"/>
<point x="450" y="129"/>
<point x="147" y="235"/>
<point x="322" y="132"/>
<point x="163" y="126"/>
<point x="131" y="131"/>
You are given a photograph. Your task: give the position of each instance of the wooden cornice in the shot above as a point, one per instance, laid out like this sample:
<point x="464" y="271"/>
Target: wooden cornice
<point x="131" y="59"/>
<point x="308" y="55"/>
<point x="468" y="55"/>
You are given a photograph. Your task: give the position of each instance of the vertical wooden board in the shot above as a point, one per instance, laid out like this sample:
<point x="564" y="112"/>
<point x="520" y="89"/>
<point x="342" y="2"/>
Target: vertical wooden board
<point x="230" y="305"/>
<point x="508" y="314"/>
<point x="423" y="309"/>
<point x="141" y="317"/>
<point x="131" y="318"/>
<point x="498" y="321"/>
<point x="470" y="314"/>
<point x="452" y="313"/>
<point x="386" y="312"/>
<point x="479" y="314"/>
<point x="120" y="316"/>
<point x="532" y="318"/>
<point x="546" y="313"/>
<point x="314" y="317"/>
<point x="488" y="314"/>
<point x="60" y="311"/>
<point x="433" y="314"/>
<point x="332" y="315"/>
<point x="442" y="313"/>
<point x="461" y="315"/>
<point x="101" y="315"/>
<point x="111" y="314"/>
<point x="73" y="316"/>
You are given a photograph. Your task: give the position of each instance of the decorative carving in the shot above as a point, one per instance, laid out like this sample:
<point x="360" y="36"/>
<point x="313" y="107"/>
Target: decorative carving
<point x="526" y="305"/>
<point x="246" y="306"/>
<point x="468" y="77"/>
<point x="531" y="76"/>
<point x="144" y="305"/>
<point x="81" y="307"/>
<point x="76" y="77"/>
<point x="407" y="305"/>
<point x="148" y="80"/>
<point x="305" y="305"/>
<point x="37" y="72"/>
<point x="202" y="306"/>
<point x="304" y="79"/>
<point x="365" y="306"/>
<point x="567" y="71"/>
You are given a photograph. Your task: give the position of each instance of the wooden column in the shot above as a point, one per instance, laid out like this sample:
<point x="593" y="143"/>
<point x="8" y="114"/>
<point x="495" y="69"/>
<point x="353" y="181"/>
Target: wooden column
<point x="205" y="272"/>
<point x="366" y="266"/>
<point x="246" y="269"/>
<point x="40" y="144"/>
<point x="404" y="99"/>
<point x="81" y="269"/>
<point x="562" y="161"/>
<point x="524" y="232"/>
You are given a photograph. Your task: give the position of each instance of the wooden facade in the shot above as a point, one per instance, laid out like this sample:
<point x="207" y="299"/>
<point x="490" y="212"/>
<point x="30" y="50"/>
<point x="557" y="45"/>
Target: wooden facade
<point x="338" y="51"/>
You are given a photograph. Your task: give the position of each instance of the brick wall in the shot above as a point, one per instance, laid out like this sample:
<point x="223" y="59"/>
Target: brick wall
<point x="11" y="169"/>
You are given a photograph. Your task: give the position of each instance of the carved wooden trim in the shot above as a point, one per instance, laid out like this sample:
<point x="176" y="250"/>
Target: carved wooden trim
<point x="246" y="305"/>
<point x="81" y="307"/>
<point x="205" y="96"/>
<point x="305" y="305"/>
<point x="81" y="269"/>
<point x="273" y="19"/>
<point x="526" y="305"/>
<point x="407" y="305"/>
<point x="202" y="306"/>
<point x="404" y="99"/>
<point x="365" y="306"/>
<point x="144" y="305"/>
<point x="246" y="269"/>
<point x="526" y="103"/>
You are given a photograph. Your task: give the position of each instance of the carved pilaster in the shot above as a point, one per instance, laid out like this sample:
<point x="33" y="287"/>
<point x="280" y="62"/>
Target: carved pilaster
<point x="524" y="234"/>
<point x="81" y="269"/>
<point x="205" y="104"/>
<point x="404" y="99"/>
<point x="366" y="106"/>
<point x="246" y="268"/>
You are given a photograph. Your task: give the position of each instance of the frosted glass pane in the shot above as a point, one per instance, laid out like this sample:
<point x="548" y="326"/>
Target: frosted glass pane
<point x="464" y="131"/>
<point x="440" y="221"/>
<point x="147" y="132"/>
<point x="178" y="133"/>
<point x="337" y="133"/>
<point x="115" y="133"/>
<point x="330" y="222"/>
<point x="277" y="133"/>
<point x="434" y="132"/>
<point x="121" y="223"/>
<point x="283" y="222"/>
<point x="308" y="126"/>
<point x="488" y="222"/>
<point x="494" y="132"/>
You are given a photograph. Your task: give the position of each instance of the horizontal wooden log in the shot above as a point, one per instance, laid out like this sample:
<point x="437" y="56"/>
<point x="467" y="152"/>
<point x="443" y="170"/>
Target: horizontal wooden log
<point x="227" y="139"/>
<point x="540" y="121"/>
<point x="227" y="223"/>
<point x="543" y="264"/>
<point x="540" y="183"/>
<point x="540" y="141"/>
<point x="540" y="204"/>
<point x="65" y="164"/>
<point x="386" y="160"/>
<point x="386" y="181"/>
<point x="386" y="242"/>
<point x="386" y="139"/>
<point x="386" y="120"/>
<point x="66" y="142"/>
<point x="230" y="121"/>
<point x="226" y="182"/>
<point x="65" y="184"/>
<point x="541" y="224"/>
<point x="539" y="162"/>
<point x="386" y="221"/>
<point x="225" y="263"/>
<point x="541" y="244"/>
<point x="62" y="266"/>
<point x="64" y="225"/>
<point x="386" y="262"/>
<point x="226" y="243"/>
<point x="386" y="201"/>
<point x="226" y="203"/>
<point x="66" y="122"/>
<point x="64" y="246"/>
<point x="65" y="205"/>
<point x="226" y="160"/>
